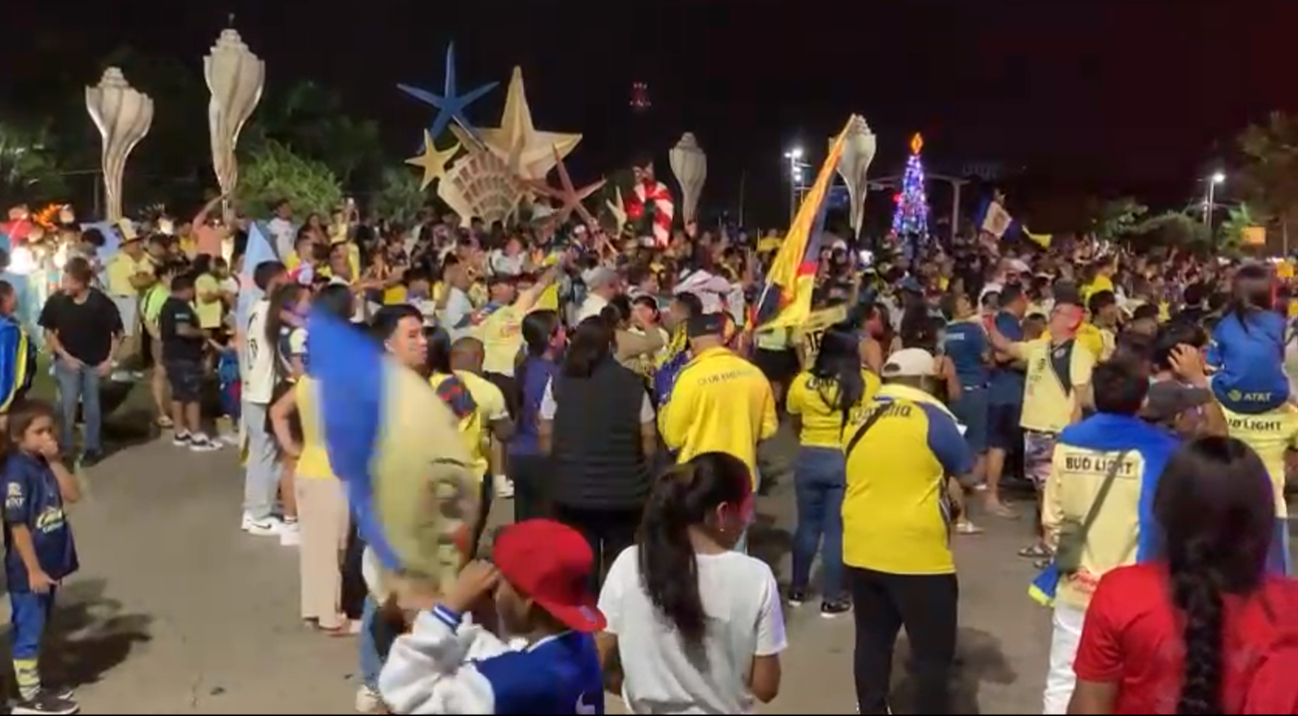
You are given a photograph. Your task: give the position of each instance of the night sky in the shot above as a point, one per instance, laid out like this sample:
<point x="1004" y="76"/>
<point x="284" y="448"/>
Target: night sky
<point x="1138" y="95"/>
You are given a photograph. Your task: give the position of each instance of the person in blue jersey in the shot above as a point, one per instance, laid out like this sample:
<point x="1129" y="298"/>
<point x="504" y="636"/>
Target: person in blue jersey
<point x="1248" y="347"/>
<point x="965" y="342"/>
<point x="17" y="354"/>
<point x="39" y="551"/>
<point x="549" y="665"/>
<point x="1005" y="397"/>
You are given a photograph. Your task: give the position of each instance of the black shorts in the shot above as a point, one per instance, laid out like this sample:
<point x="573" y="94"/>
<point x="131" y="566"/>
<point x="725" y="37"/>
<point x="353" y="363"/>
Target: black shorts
<point x="186" y="378"/>
<point x="508" y="387"/>
<point x="778" y="366"/>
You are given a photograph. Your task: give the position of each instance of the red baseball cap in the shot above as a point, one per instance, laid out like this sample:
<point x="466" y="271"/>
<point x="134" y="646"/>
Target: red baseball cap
<point x="551" y="563"/>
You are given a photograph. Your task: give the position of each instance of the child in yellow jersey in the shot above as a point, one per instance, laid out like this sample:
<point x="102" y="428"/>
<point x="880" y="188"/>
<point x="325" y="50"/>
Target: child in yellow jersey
<point x="822" y="400"/>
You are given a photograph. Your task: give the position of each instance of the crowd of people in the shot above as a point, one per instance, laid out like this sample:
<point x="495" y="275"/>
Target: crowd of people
<point x="619" y="392"/>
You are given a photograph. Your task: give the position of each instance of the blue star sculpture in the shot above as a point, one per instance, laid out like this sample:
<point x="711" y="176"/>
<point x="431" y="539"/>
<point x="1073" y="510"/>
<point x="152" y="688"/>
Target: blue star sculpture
<point x="449" y="104"/>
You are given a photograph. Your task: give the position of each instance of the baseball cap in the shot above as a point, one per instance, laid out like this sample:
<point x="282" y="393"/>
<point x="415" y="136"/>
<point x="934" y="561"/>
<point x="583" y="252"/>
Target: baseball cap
<point x="1168" y="399"/>
<point x="598" y="276"/>
<point x="550" y="563"/>
<point x="912" y="362"/>
<point x="705" y="324"/>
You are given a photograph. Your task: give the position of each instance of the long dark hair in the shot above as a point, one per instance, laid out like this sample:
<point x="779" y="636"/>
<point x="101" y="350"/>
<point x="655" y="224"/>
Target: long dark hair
<point x="1215" y="505"/>
<point x="1250" y="292"/>
<point x="591" y="344"/>
<point x="439" y="351"/>
<point x="684" y="496"/>
<point x="538" y="330"/>
<point x="839" y="364"/>
<point x="279" y="302"/>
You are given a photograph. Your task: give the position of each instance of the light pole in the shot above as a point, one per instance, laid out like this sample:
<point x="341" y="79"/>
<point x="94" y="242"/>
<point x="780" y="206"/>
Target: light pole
<point x="1213" y="181"/>
<point x="796" y="166"/>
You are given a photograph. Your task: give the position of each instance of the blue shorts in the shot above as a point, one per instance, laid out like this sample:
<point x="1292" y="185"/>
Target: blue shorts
<point x="971" y="410"/>
<point x="1003" y="431"/>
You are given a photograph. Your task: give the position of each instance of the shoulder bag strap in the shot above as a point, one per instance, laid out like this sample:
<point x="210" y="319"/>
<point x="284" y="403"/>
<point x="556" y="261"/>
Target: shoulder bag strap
<point x="865" y="427"/>
<point x="1102" y="495"/>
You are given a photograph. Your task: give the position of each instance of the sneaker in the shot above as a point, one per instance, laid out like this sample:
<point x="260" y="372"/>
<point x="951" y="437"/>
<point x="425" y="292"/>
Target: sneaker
<point x="269" y="527"/>
<point x="797" y="597"/>
<point x="829" y="610"/>
<point x="199" y="442"/>
<point x="90" y="458"/>
<point x="290" y="534"/>
<point x="368" y="701"/>
<point x="45" y="703"/>
<point x="504" y="487"/>
<point x="180" y="439"/>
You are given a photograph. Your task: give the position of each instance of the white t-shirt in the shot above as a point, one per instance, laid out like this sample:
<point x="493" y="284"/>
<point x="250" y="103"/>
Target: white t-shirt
<point x="259" y="383"/>
<point x="742" y="602"/>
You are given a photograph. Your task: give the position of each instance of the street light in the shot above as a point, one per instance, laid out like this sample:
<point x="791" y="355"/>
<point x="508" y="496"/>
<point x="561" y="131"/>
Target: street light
<point x="796" y="165"/>
<point x="1213" y="181"/>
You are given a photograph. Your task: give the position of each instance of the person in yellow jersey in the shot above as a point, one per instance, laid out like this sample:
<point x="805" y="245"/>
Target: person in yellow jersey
<point x="720" y="402"/>
<point x="208" y="300"/>
<point x="499" y="323"/>
<point x="1103" y="281"/>
<point x="897" y="525"/>
<point x="1057" y="390"/>
<point x="1099" y="334"/>
<point x="322" y="513"/>
<point x="1272" y="435"/>
<point x="822" y="402"/>
<point x="129" y="273"/>
<point x="495" y="425"/>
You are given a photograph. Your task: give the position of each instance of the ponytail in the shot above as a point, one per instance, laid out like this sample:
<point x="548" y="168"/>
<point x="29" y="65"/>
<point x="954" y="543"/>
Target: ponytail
<point x="685" y="496"/>
<point x="668" y="568"/>
<point x="1199" y="598"/>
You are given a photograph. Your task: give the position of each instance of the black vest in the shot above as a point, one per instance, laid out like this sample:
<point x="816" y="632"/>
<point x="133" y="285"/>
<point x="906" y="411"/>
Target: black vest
<point x="597" y="458"/>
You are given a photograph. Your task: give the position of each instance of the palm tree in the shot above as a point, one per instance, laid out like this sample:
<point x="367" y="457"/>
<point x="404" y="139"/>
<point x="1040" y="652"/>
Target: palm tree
<point x="1270" y="174"/>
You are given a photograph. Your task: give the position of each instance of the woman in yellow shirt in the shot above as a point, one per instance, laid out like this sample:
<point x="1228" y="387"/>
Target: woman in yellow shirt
<point x="821" y="402"/>
<point x="321" y="498"/>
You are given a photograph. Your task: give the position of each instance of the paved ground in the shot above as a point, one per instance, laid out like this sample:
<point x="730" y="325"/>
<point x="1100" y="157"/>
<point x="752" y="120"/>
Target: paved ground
<point x="177" y="611"/>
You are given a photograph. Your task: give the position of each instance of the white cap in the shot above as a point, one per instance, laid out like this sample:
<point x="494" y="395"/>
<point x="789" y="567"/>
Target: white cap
<point x="909" y="362"/>
<point x="1019" y="266"/>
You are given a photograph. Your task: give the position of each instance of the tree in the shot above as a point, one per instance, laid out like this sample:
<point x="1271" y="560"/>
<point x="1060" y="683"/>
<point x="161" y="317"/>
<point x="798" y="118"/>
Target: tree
<point x="1269" y="177"/>
<point x="1230" y="235"/>
<point x="29" y="171"/>
<point x="275" y="173"/>
<point x="1172" y="228"/>
<point x="1115" y="218"/>
<point x="911" y="216"/>
<point x="399" y="197"/>
<point x="309" y="119"/>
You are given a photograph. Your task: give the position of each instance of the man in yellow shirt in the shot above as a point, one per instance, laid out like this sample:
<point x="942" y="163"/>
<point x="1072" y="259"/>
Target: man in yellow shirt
<point x="897" y="531"/>
<point x="499" y="326"/>
<point x="494" y="425"/>
<point x="1272" y="435"/>
<point x="1056" y="390"/>
<point x="128" y="274"/>
<point x="720" y="402"/>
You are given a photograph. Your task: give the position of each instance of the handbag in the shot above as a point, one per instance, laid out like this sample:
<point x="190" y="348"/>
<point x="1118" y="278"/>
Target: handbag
<point x="1072" y="533"/>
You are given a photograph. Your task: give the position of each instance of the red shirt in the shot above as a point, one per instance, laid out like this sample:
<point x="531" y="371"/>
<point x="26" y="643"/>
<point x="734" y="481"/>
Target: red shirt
<point x="1133" y="637"/>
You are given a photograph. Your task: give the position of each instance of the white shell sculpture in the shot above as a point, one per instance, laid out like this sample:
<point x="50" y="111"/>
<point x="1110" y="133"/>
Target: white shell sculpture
<point x="480" y="184"/>
<point x="123" y="116"/>
<point x="858" y="152"/>
<point x="235" y="77"/>
<point x="690" y="165"/>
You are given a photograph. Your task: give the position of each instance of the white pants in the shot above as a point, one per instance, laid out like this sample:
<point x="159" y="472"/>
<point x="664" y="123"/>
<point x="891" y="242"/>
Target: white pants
<point x="1060" y="680"/>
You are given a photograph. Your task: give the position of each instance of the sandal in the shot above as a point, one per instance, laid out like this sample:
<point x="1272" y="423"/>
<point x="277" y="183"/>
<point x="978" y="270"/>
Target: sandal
<point x="966" y="527"/>
<point x="1043" y="563"/>
<point x="165" y="423"/>
<point x="1035" y="551"/>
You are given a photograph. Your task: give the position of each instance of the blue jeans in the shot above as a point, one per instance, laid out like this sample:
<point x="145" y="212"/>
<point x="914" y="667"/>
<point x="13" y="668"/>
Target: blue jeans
<point x="820" y="478"/>
<point x="371" y="661"/>
<point x="78" y="385"/>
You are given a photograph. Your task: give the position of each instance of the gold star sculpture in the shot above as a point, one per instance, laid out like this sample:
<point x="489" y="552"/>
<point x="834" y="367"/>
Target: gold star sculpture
<point x="617" y="208"/>
<point x="531" y="153"/>
<point x="433" y="161"/>
<point x="569" y="198"/>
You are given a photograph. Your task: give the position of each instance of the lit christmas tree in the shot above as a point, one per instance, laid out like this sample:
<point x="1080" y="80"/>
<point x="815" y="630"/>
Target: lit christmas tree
<point x="911" y="217"/>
